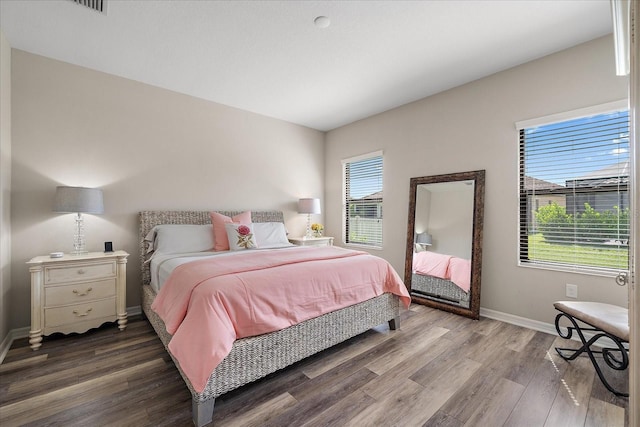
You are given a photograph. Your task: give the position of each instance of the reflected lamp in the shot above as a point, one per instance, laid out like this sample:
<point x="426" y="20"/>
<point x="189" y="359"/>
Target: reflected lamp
<point x="423" y="239"/>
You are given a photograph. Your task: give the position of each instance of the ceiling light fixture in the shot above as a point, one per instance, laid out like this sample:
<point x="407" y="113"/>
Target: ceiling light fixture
<point x="322" y="22"/>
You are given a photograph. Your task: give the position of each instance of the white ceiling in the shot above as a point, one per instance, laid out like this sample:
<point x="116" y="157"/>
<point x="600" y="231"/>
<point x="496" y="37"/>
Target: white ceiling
<point x="268" y="57"/>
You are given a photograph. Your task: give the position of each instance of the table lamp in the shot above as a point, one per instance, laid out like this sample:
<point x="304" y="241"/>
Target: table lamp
<point x="78" y="200"/>
<point x="309" y="206"/>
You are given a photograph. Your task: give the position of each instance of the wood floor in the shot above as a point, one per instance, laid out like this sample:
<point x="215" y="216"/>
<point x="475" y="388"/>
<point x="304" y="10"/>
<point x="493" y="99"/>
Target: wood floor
<point x="438" y="370"/>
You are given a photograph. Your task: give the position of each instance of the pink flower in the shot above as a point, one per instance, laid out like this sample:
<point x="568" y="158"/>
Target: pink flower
<point x="243" y="230"/>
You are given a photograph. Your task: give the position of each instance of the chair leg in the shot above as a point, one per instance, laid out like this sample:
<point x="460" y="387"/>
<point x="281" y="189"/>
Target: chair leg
<point x="606" y="352"/>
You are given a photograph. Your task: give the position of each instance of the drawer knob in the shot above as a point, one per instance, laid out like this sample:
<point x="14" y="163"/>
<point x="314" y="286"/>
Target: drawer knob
<point x="80" y="271"/>
<point x="86" y="313"/>
<point x="81" y="294"/>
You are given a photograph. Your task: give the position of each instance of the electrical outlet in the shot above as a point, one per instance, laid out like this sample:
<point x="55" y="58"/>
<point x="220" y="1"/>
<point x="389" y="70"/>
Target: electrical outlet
<point x="572" y="291"/>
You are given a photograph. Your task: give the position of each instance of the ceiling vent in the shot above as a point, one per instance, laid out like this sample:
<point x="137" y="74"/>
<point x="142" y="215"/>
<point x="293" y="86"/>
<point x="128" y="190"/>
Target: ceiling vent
<point x="97" y="5"/>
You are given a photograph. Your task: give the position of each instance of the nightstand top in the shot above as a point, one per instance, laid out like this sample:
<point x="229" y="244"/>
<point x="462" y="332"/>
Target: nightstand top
<point x="312" y="241"/>
<point x="86" y="257"/>
<point x="309" y="239"/>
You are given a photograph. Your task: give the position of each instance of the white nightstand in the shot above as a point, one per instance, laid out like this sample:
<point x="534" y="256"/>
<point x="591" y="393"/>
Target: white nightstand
<point x="312" y="241"/>
<point x="75" y="293"/>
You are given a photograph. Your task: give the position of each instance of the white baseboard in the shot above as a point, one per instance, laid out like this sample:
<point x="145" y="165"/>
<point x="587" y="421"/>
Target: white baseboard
<point x="134" y="311"/>
<point x="519" y="321"/>
<point x="539" y="326"/>
<point x="16" y="334"/>
<point x="13" y="335"/>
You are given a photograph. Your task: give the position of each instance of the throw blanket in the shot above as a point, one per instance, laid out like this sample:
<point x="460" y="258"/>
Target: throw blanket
<point x="208" y="304"/>
<point x="446" y="267"/>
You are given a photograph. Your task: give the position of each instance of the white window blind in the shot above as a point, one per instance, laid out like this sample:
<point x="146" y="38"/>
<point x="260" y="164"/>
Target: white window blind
<point x="573" y="186"/>
<point x="363" y="200"/>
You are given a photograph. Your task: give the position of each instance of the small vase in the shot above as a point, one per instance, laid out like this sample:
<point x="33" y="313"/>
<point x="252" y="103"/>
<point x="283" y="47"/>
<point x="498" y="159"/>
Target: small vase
<point x="317" y="234"/>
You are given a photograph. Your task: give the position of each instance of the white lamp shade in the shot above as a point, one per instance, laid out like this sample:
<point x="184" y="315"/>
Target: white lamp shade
<point x="78" y="200"/>
<point x="309" y="206"/>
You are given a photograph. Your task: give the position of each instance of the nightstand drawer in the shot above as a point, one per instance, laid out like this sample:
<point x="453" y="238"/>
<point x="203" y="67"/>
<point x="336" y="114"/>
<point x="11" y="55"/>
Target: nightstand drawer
<point x="79" y="272"/>
<point x="58" y="316"/>
<point x="79" y="292"/>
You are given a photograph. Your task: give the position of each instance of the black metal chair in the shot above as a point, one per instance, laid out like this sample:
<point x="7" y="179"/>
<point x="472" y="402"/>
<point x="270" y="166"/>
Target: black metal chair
<point x="604" y="321"/>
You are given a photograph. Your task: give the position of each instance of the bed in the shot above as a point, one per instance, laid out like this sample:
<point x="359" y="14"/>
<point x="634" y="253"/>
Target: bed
<point x="441" y="277"/>
<point x="254" y="357"/>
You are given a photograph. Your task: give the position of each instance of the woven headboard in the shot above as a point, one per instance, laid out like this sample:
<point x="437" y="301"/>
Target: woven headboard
<point x="149" y="219"/>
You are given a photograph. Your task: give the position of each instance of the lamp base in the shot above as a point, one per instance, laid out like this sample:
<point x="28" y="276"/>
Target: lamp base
<point x="79" y="247"/>
<point x="308" y="231"/>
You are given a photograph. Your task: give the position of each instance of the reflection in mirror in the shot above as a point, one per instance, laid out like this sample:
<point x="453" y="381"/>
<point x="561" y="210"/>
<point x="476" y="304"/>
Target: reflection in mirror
<point x="444" y="241"/>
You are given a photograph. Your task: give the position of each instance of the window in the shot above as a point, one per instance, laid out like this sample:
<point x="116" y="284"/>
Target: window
<point x="573" y="182"/>
<point x="362" y="207"/>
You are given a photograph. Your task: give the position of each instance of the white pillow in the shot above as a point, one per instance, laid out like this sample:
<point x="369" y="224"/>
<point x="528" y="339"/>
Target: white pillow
<point x="240" y="236"/>
<point x="270" y="235"/>
<point x="183" y="238"/>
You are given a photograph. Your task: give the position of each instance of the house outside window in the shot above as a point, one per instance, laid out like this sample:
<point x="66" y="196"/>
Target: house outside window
<point x="363" y="200"/>
<point x="573" y="190"/>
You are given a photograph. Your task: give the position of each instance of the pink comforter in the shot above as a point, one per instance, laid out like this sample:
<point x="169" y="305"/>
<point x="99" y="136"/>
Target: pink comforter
<point x="431" y="264"/>
<point x="460" y="272"/>
<point x="208" y="304"/>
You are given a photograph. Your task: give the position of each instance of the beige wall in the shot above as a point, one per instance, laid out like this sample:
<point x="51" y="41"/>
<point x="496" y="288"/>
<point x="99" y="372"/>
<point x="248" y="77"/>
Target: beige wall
<point x="472" y="127"/>
<point x="5" y="185"/>
<point x="147" y="148"/>
<point x="451" y="221"/>
<point x="423" y="203"/>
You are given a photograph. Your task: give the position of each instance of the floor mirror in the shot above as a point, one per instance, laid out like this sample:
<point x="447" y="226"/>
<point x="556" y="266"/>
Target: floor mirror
<point x="444" y="241"/>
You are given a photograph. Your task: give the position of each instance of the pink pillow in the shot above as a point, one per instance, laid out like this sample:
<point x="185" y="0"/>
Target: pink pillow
<point x="220" y="234"/>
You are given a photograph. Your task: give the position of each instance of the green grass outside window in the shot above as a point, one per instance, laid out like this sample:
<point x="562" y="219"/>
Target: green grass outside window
<point x="590" y="256"/>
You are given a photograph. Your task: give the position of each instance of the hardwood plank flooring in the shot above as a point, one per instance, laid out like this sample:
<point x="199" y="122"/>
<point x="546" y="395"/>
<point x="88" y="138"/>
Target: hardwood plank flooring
<point x="437" y="370"/>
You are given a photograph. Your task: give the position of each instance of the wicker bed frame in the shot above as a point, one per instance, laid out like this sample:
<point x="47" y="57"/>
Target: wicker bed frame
<point x="439" y="289"/>
<point x="255" y="357"/>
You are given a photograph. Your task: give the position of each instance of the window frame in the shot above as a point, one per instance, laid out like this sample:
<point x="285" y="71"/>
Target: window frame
<point x="345" y="205"/>
<point x="605" y="108"/>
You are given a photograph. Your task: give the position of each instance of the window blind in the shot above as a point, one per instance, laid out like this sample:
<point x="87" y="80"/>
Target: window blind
<point x="363" y="200"/>
<point x="573" y="186"/>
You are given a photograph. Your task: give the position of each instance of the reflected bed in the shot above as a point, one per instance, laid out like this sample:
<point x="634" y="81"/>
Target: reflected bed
<point x="439" y="289"/>
<point x="441" y="277"/>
